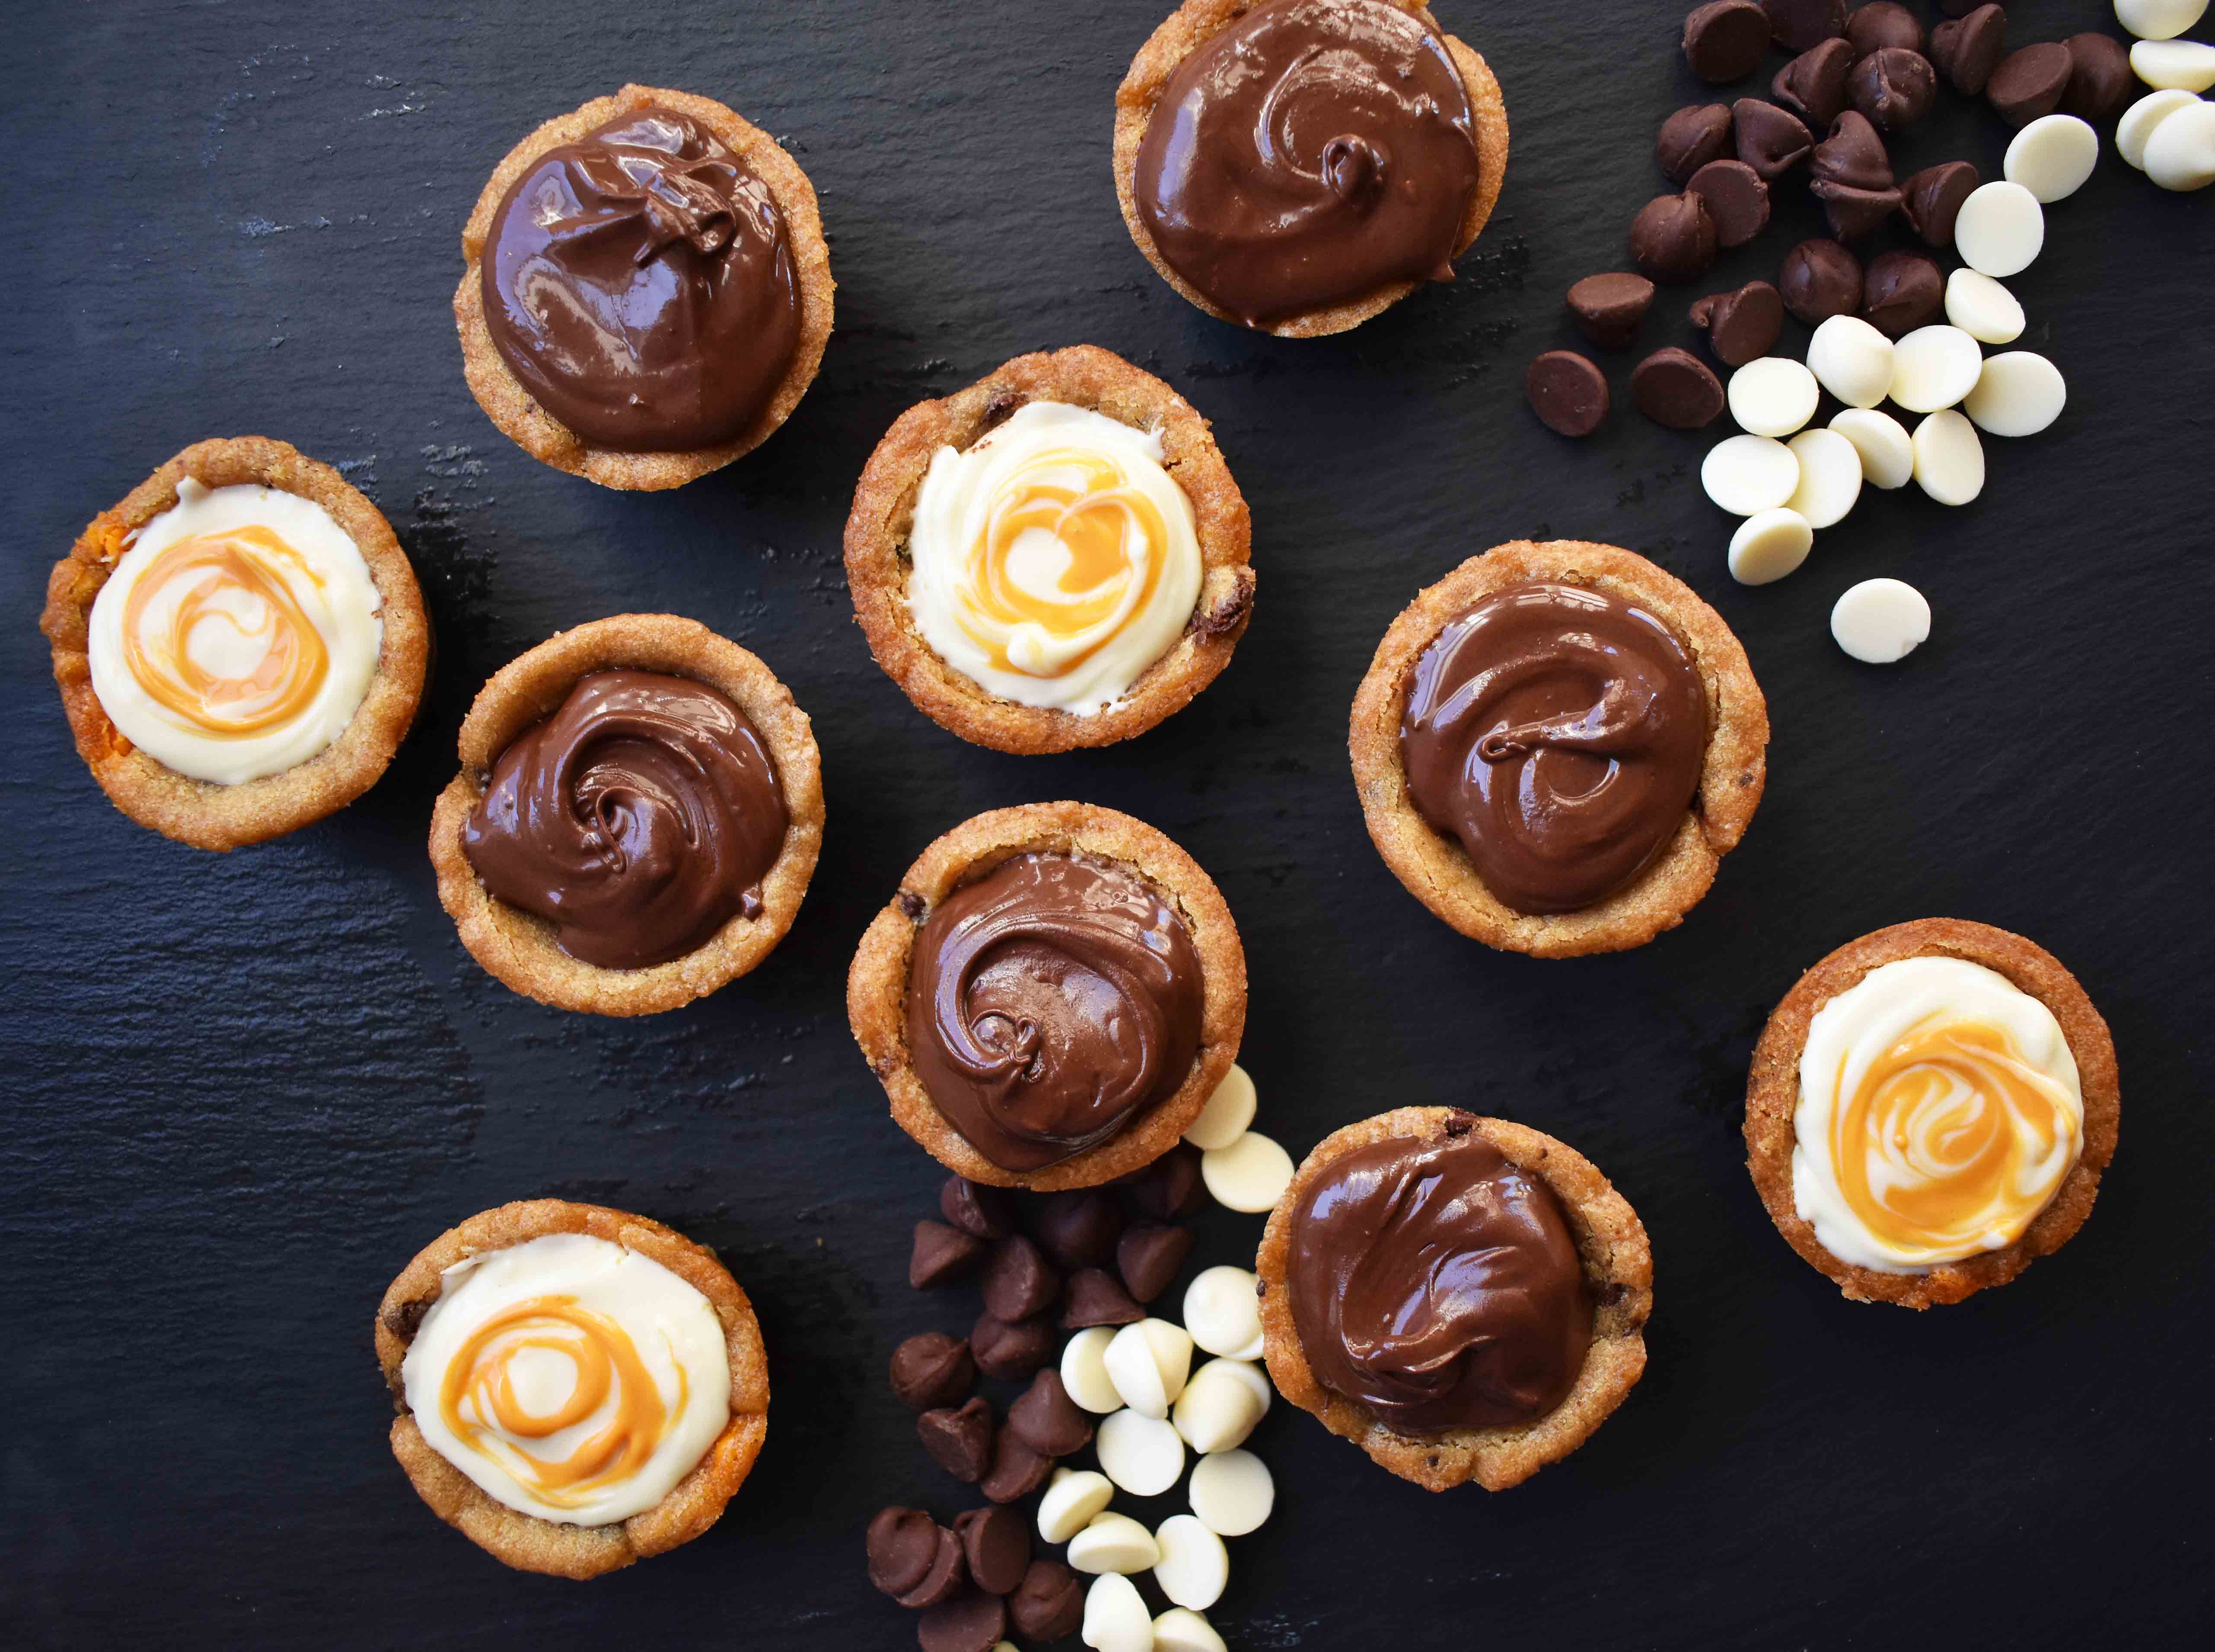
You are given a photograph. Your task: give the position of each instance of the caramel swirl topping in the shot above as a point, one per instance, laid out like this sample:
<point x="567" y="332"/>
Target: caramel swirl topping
<point x="237" y="586"/>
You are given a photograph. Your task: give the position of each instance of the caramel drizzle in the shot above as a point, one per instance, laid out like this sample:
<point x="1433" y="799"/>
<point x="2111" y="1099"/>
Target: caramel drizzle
<point x="253" y="562"/>
<point x="607" y="1361"/>
<point x="1115" y="538"/>
<point x="1950" y="1139"/>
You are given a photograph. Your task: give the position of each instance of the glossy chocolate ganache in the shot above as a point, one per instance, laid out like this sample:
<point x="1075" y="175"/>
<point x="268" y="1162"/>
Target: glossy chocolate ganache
<point x="1312" y="154"/>
<point x="638" y="819"/>
<point x="1438" y="1285"/>
<point x="639" y="282"/>
<point x="1049" y="1003"/>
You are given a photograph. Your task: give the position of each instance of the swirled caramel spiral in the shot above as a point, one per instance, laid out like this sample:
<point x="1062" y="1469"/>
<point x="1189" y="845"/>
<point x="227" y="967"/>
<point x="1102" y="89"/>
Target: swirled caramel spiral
<point x="240" y="579"/>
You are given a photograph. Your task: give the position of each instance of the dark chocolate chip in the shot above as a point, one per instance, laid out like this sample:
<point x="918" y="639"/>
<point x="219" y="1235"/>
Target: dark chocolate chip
<point x="959" y="1438"/>
<point x="404" y="1319"/>
<point x="1675" y="387"/>
<point x="1567" y="393"/>
<point x="1044" y="1419"/>
<point x="912" y="906"/>
<point x="1691" y="137"/>
<point x="1096" y="1297"/>
<point x="974" y="1208"/>
<point x="1932" y="200"/>
<point x="1901" y="292"/>
<point x="1966" y="50"/>
<point x="1150" y="1257"/>
<point x="1819" y="279"/>
<point x="1672" y="241"/>
<point x="1048" y="1604"/>
<point x="1875" y="27"/>
<point x="1894" y="88"/>
<point x="971" y="1621"/>
<point x="948" y="1573"/>
<point x="1079" y="1229"/>
<point x="930" y="1370"/>
<point x="1742" y="326"/>
<point x="1018" y="1280"/>
<point x="941" y="1253"/>
<point x="1737" y="200"/>
<point x="1726" y="40"/>
<point x="997" y="1542"/>
<point x="2101" y="80"/>
<point x="1796" y="25"/>
<point x="2030" y="83"/>
<point x="1169" y="1188"/>
<point x="1852" y="177"/>
<point x="1770" y="140"/>
<point x="1814" y="84"/>
<point x="1609" y="308"/>
<point x="1008" y="1350"/>
<point x="1016" y="1470"/>
<point x="902" y="1543"/>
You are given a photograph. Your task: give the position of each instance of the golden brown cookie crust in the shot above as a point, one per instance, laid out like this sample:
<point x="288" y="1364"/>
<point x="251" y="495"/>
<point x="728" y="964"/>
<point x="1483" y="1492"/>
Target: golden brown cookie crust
<point x="877" y="565"/>
<point x="202" y="813"/>
<point x="1198" y="21"/>
<point x="1618" y="1265"/>
<point x="516" y="947"/>
<point x="876" y="985"/>
<point x="524" y="1541"/>
<point x="1772" y="1099"/>
<point x="1436" y="870"/>
<point x="517" y="413"/>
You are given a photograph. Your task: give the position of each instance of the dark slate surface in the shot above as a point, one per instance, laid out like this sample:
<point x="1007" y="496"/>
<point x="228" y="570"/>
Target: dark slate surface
<point x="241" y="1090"/>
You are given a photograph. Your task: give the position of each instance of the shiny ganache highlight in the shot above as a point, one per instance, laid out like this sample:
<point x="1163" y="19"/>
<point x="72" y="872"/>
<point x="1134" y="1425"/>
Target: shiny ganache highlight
<point x="1049" y="1003"/>
<point x="1558" y="733"/>
<point x="639" y="282"/>
<point x="637" y="819"/>
<point x="1312" y="154"/>
<point x="1437" y="1284"/>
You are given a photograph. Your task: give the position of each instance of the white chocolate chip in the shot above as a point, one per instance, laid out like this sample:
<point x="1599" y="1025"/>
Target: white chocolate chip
<point x="1148" y="1363"/>
<point x="1748" y="474"/>
<point x="1223" y="1311"/>
<point x="1113" y="1543"/>
<point x="1084" y="1370"/>
<point x="2174" y="66"/>
<point x="1886" y="451"/>
<point x="1983" y="309"/>
<point x="1220" y="1406"/>
<point x="1232" y="1492"/>
<point x="1194" y="1567"/>
<point x="1071" y="1499"/>
<point x="2000" y="229"/>
<point x="2158" y="20"/>
<point x="1852" y="360"/>
<point x="1009" y="1646"/>
<point x="2020" y="394"/>
<point x="1773" y="396"/>
<point x="1250" y="1175"/>
<point x="2052" y="156"/>
<point x="1770" y="545"/>
<point x="1179" y="1630"/>
<point x="1949" y="460"/>
<point x="2181" y="154"/>
<point x="1115" y="1617"/>
<point x="1141" y="1454"/>
<point x="1228" y="1111"/>
<point x="2142" y="119"/>
<point x="1935" y="367"/>
<point x="1830" y="477"/>
<point x="1248" y="1373"/>
<point x="1880" y="620"/>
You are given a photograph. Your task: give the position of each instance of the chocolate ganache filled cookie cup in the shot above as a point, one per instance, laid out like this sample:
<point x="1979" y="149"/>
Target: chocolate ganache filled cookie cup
<point x="1556" y="746"/>
<point x="1052" y="996"/>
<point x="1300" y="166"/>
<point x="649" y="291"/>
<point x="1463" y="1298"/>
<point x="638" y="813"/>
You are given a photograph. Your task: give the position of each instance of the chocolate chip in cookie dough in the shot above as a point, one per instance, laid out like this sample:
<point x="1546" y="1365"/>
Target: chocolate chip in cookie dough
<point x="1736" y="199"/>
<point x="1609" y="308"/>
<point x="941" y="1253"/>
<point x="1169" y="1188"/>
<point x="1567" y="392"/>
<point x="997" y="1542"/>
<point x="930" y="1370"/>
<point x="1675" y="388"/>
<point x="1691" y="137"/>
<point x="1726" y="40"/>
<point x="1078" y="1230"/>
<point x="1932" y="199"/>
<point x="1812" y="86"/>
<point x="974" y="1208"/>
<point x="1672" y="241"/>
<point x="1881" y="23"/>
<point x="1852" y="177"/>
<point x="1770" y="140"/>
<point x="958" y="1438"/>
<point x="1901" y="292"/>
<point x="1019" y="1281"/>
<point x="2030" y="83"/>
<point x="1048" y="1604"/>
<point x="1796" y="25"/>
<point x="902" y="1544"/>
<point x="1044" y="1419"/>
<point x="971" y="1621"/>
<point x="1967" y="49"/>
<point x="1009" y="1349"/>
<point x="1820" y="279"/>
<point x="1096" y="1297"/>
<point x="1016" y="1470"/>
<point x="1741" y="325"/>
<point x="1894" y="88"/>
<point x="2100" y="77"/>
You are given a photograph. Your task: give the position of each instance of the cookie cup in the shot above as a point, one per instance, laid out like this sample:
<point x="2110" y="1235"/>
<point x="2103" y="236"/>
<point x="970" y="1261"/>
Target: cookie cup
<point x="1619" y="1267"/>
<point x="1197" y="21"/>
<point x="517" y="947"/>
<point x="1436" y="869"/>
<point x="878" y="565"/>
<point x="203" y="813"/>
<point x="1772" y="1100"/>
<point x="877" y="984"/>
<point x="525" y="1541"/>
<point x="519" y="415"/>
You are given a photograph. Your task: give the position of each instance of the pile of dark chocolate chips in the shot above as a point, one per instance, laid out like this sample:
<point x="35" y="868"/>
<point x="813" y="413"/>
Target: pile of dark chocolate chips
<point x="1096" y="1257"/>
<point x="1862" y="78"/>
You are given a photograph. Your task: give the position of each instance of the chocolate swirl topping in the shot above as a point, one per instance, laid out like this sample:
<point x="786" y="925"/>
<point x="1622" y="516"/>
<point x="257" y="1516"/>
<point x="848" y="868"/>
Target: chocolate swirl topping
<point x="637" y="819"/>
<point x="639" y="283"/>
<point x="1438" y="1285"/>
<point x="1313" y="153"/>
<point x="1048" y="1004"/>
<point x="1557" y="732"/>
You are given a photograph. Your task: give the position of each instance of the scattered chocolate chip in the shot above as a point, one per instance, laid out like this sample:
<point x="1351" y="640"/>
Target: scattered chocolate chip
<point x="1901" y="292"/>
<point x="1150" y="1258"/>
<point x="1672" y="241"/>
<point x="1016" y="1470"/>
<point x="1852" y="177"/>
<point x="959" y="1438"/>
<point x="1966" y="50"/>
<point x="941" y="1253"/>
<point x="2030" y="83"/>
<point x="1675" y="387"/>
<point x="1894" y="88"/>
<point x="1770" y="140"/>
<point x="1741" y="325"/>
<point x="1169" y="1188"/>
<point x="1566" y="391"/>
<point x="930" y="1370"/>
<point x="1044" y="1419"/>
<point x="997" y="1542"/>
<point x="1609" y="308"/>
<point x="947" y="1573"/>
<point x="1726" y="40"/>
<point x="1932" y="200"/>
<point x="1008" y="1350"/>
<point x="2100" y="78"/>
<point x="1096" y="1297"/>
<point x="971" y="1621"/>
<point x="1048" y="1604"/>
<point x="1079" y="1229"/>
<point x="1875" y="27"/>
<point x="1819" y="279"/>
<point x="974" y="1208"/>
<point x="1736" y="199"/>
<point x="1796" y="25"/>
<point x="902" y="1543"/>
<point x="1018" y="1281"/>
<point x="1691" y="137"/>
<point x="1812" y="86"/>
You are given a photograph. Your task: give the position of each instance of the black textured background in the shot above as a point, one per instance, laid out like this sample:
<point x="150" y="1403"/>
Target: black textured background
<point x="242" y="1090"/>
